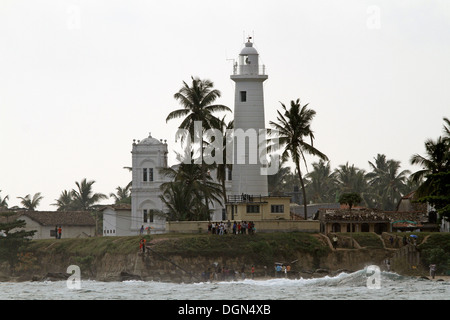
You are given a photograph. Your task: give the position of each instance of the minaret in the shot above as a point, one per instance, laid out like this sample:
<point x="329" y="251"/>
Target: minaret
<point x="248" y="76"/>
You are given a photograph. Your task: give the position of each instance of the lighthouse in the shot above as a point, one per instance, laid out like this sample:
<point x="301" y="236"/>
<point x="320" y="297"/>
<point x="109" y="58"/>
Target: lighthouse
<point x="249" y="77"/>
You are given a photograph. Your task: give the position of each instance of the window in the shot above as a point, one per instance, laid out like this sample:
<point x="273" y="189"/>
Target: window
<point x="145" y="215"/>
<point x="150" y="174"/>
<point x="148" y="215"/>
<point x="147" y="174"/>
<point x="243" y="96"/>
<point x="151" y="216"/>
<point x="230" y="174"/>
<point x="277" y="208"/>
<point x="144" y="177"/>
<point x="251" y="208"/>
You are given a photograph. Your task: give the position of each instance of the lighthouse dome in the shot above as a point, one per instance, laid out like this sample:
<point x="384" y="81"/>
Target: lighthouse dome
<point x="248" y="49"/>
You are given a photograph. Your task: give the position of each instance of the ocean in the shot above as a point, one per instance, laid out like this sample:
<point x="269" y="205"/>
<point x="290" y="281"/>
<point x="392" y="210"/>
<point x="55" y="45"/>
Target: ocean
<point x="360" y="285"/>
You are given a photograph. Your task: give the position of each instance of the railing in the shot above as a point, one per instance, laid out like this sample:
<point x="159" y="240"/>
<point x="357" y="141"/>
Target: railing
<point x="245" y="198"/>
<point x="249" y="70"/>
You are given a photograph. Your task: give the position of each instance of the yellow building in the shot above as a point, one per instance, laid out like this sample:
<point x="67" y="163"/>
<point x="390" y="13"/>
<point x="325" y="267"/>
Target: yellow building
<point x="257" y="208"/>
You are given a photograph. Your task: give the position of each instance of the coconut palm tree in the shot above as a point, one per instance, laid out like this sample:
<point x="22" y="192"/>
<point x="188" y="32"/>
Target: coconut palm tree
<point x="221" y="170"/>
<point x="292" y="128"/>
<point x="277" y="182"/>
<point x="180" y="204"/>
<point x="122" y="195"/>
<point x="388" y="184"/>
<point x="446" y="128"/>
<point x="351" y="179"/>
<point x="84" y="198"/>
<point x="31" y="203"/>
<point x="437" y="160"/>
<point x="64" y="202"/>
<point x="3" y="203"/>
<point x="321" y="186"/>
<point x="187" y="183"/>
<point x="198" y="102"/>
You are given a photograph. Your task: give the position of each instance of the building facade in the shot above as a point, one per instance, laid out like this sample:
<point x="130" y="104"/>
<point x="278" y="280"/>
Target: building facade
<point x="148" y="155"/>
<point x="249" y="122"/>
<point x="258" y="208"/>
<point x="73" y="224"/>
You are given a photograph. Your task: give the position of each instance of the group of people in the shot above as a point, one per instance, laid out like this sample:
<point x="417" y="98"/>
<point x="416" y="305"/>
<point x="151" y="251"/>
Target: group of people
<point x="142" y="244"/>
<point x="395" y="241"/>
<point x="282" y="269"/>
<point x="221" y="227"/>
<point x="58" y="231"/>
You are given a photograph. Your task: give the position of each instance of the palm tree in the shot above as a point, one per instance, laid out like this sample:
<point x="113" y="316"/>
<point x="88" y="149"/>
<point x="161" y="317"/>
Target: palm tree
<point x="436" y="161"/>
<point x="64" y="202"/>
<point x="277" y="182"/>
<point x="435" y="172"/>
<point x="351" y="179"/>
<point x="388" y="184"/>
<point x="446" y="128"/>
<point x="198" y="105"/>
<point x="31" y="203"/>
<point x="83" y="197"/>
<point x="293" y="126"/>
<point x="197" y="101"/>
<point x="181" y="206"/>
<point x="321" y="186"/>
<point x="3" y="203"/>
<point x="187" y="183"/>
<point x="122" y="195"/>
<point x="223" y="166"/>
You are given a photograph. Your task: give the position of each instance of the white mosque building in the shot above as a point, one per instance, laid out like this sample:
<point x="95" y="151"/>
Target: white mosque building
<point x="150" y="154"/>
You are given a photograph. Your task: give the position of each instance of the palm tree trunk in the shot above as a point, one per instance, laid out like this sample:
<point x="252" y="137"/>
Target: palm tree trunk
<point x="207" y="215"/>
<point x="302" y="184"/>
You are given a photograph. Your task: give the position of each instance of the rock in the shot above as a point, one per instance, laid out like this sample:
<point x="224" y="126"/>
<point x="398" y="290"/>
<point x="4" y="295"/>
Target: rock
<point x="56" y="276"/>
<point x="125" y="276"/>
<point x="322" y="271"/>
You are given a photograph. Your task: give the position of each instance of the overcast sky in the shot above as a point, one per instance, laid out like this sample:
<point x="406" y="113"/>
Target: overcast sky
<point x="79" y="80"/>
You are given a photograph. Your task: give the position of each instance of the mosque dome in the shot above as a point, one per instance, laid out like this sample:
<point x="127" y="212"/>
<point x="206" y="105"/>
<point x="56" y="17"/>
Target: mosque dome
<point x="150" y="141"/>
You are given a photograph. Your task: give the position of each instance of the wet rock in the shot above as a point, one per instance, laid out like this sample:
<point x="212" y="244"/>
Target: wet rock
<point x="125" y="276"/>
<point x="56" y="276"/>
<point x="322" y="271"/>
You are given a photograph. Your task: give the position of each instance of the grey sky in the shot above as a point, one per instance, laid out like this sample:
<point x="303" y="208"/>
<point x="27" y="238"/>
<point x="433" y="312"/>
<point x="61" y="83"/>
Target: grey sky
<point x="79" y="80"/>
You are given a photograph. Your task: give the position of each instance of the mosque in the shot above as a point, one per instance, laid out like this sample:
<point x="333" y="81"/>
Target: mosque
<point x="246" y="181"/>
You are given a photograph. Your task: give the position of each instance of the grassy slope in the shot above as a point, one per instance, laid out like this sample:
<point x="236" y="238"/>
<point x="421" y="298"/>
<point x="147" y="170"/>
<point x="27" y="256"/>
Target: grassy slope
<point x="264" y="245"/>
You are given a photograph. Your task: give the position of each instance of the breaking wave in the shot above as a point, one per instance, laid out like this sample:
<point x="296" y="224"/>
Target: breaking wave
<point x="345" y="285"/>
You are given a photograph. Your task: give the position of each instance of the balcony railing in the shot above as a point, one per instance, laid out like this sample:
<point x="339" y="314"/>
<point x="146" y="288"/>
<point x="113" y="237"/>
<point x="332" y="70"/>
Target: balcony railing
<point x="245" y="198"/>
<point x="248" y="69"/>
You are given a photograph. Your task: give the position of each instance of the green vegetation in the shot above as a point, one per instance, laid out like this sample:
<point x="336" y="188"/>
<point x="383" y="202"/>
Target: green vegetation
<point x="293" y="128"/>
<point x="263" y="247"/>
<point x="436" y="250"/>
<point x="13" y="239"/>
<point x="367" y="240"/>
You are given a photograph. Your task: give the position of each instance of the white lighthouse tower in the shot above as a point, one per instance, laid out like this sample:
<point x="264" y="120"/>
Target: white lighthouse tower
<point x="248" y="76"/>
